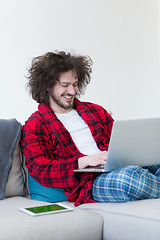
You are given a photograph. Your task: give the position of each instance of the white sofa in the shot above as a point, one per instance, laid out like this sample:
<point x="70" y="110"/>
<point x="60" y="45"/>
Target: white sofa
<point x="122" y="221"/>
<point x="15" y="225"/>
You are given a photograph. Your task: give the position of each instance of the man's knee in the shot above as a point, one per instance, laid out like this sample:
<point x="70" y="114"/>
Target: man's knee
<point x="120" y="185"/>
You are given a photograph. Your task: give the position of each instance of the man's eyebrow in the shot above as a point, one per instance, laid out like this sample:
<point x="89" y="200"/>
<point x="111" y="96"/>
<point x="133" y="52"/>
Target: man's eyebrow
<point x="65" y="82"/>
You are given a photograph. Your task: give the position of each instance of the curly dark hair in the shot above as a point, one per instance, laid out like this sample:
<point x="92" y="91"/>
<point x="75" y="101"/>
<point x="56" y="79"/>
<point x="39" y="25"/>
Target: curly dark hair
<point x="46" y="69"/>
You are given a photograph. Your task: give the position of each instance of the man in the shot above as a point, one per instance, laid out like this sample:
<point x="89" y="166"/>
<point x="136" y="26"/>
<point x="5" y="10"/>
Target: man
<point x="66" y="134"/>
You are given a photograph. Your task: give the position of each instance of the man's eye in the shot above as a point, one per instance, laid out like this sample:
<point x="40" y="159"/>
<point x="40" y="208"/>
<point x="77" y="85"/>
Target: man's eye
<point x="64" y="85"/>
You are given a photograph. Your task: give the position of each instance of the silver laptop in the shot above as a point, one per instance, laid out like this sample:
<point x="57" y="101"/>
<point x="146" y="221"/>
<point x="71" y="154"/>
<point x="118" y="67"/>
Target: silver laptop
<point x="132" y="142"/>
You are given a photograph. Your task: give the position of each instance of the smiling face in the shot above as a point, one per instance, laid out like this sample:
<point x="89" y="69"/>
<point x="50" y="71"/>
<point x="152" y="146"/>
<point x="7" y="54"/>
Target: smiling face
<point x="62" y="95"/>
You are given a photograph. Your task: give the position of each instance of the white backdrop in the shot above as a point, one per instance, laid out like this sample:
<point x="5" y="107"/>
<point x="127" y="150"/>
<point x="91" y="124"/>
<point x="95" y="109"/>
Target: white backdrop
<point x="121" y="36"/>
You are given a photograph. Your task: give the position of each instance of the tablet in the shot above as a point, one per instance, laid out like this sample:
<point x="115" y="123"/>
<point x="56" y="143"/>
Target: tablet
<point x="46" y="209"/>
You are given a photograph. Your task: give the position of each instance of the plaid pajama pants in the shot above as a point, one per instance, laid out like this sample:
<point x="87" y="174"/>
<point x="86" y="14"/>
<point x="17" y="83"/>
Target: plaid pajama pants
<point x="127" y="184"/>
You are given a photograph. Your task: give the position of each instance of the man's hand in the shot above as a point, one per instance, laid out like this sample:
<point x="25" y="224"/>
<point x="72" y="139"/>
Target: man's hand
<point x="93" y="160"/>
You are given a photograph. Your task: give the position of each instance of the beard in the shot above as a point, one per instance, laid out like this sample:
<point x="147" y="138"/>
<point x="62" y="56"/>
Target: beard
<point x="59" y="102"/>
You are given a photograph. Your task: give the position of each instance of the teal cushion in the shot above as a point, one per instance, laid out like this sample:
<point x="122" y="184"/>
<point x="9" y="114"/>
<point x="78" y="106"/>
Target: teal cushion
<point x="47" y="194"/>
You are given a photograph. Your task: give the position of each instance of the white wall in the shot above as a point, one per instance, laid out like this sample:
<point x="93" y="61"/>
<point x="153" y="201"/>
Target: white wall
<point x="121" y="36"/>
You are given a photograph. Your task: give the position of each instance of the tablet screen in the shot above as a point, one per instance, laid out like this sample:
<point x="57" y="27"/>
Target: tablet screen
<point x="46" y="209"/>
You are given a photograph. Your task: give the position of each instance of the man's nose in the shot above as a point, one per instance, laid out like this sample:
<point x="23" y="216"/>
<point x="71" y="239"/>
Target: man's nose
<point x="71" y="89"/>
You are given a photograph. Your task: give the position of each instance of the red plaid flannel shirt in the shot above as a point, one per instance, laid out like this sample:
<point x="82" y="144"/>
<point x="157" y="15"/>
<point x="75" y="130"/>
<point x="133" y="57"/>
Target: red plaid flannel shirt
<point x="51" y="155"/>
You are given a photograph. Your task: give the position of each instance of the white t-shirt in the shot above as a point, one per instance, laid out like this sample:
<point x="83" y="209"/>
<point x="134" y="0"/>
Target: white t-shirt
<point x="79" y="132"/>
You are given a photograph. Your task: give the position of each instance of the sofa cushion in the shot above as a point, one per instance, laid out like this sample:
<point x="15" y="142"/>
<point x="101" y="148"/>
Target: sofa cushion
<point x="138" y="220"/>
<point x="10" y="131"/>
<point x="16" y="185"/>
<point x="77" y="224"/>
<point x="12" y="174"/>
<point x="47" y="194"/>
